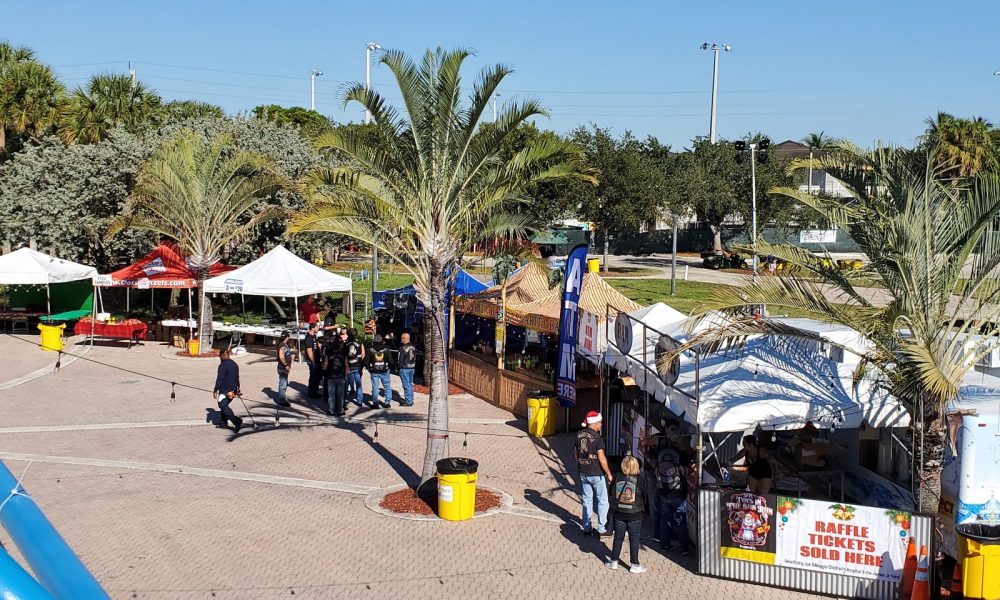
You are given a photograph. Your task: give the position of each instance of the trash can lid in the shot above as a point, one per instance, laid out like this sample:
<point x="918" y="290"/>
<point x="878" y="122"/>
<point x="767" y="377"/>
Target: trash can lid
<point x="981" y="532"/>
<point x="542" y="394"/>
<point x="457" y="466"/>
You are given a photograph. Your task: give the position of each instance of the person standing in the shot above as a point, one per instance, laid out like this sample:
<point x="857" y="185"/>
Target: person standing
<point x="594" y="473"/>
<point x="227" y="387"/>
<point x="407" y="366"/>
<point x="335" y="371"/>
<point x="312" y="351"/>
<point x="355" y="360"/>
<point x="308" y="310"/>
<point x="628" y="492"/>
<point x="759" y="471"/>
<point x="379" y="364"/>
<point x="284" y="368"/>
<point x="671" y="479"/>
<point x="330" y="326"/>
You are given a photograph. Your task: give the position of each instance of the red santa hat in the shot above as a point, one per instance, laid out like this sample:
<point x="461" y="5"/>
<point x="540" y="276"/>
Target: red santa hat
<point x="592" y="417"/>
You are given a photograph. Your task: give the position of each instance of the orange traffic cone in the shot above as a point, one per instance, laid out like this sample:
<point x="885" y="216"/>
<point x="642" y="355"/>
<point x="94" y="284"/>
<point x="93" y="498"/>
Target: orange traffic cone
<point x="921" y="584"/>
<point x="909" y="570"/>
<point x="956" y="583"/>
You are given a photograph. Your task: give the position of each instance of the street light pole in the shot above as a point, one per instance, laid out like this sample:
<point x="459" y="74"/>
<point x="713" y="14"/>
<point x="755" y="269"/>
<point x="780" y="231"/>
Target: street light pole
<point x="715" y="81"/>
<point x="809" y="186"/>
<point x="495" y="96"/>
<point x="312" y="88"/>
<point x="673" y="259"/>
<point x="753" y="206"/>
<point x="372" y="46"/>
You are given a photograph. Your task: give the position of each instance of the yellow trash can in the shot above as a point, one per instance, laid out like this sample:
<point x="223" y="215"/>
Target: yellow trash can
<point x="979" y="553"/>
<point x="52" y="337"/>
<point x="541" y="416"/>
<point x="593" y="265"/>
<point x="193" y="346"/>
<point x="456" y="482"/>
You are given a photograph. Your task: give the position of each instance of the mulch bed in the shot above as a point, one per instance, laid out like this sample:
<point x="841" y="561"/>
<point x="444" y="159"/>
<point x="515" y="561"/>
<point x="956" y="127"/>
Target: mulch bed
<point x="452" y="389"/>
<point x="209" y="354"/>
<point x="406" y="500"/>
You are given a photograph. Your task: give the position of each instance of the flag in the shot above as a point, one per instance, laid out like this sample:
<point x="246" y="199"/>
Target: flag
<point x="569" y="325"/>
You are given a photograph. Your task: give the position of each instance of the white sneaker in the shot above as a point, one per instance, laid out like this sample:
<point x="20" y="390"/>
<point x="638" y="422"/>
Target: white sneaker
<point x="611" y="564"/>
<point x="637" y="569"/>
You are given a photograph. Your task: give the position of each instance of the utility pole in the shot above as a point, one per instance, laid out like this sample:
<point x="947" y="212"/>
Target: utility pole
<point x="673" y="259"/>
<point x="753" y="206"/>
<point x="131" y="74"/>
<point x="312" y="88"/>
<point x="809" y="186"/>
<point x="371" y="47"/>
<point x="495" y="96"/>
<point x="715" y="81"/>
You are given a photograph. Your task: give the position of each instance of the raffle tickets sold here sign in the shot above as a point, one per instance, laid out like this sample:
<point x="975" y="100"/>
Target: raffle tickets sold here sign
<point x="857" y="541"/>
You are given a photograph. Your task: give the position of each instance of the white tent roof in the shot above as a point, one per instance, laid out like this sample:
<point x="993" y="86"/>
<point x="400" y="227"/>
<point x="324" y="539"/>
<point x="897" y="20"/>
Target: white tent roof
<point x="278" y="273"/>
<point x="647" y="324"/>
<point x="31" y="267"/>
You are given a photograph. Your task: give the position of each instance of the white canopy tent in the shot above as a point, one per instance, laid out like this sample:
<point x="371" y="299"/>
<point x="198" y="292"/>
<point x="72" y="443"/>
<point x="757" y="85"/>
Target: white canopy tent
<point x="31" y="267"/>
<point x="281" y="273"/>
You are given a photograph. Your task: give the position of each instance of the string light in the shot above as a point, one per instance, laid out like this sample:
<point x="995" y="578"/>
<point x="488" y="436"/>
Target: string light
<point x="375" y="438"/>
<point x="173" y="393"/>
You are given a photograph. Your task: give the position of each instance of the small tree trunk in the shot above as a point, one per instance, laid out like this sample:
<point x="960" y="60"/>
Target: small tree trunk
<point x="205" y="333"/>
<point x="434" y="352"/>
<point x="607" y="235"/>
<point x="716" y="237"/>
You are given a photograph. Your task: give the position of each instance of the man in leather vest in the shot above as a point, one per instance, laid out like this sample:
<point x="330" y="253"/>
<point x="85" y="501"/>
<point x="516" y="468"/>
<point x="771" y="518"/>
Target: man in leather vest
<point x="594" y="474"/>
<point x="407" y="365"/>
<point x="379" y="365"/>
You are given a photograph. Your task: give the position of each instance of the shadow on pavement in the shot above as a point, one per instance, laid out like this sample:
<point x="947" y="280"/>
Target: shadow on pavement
<point x="588" y="543"/>
<point x="408" y="475"/>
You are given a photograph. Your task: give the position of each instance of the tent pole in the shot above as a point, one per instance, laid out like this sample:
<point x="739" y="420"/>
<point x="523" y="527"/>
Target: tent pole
<point x="93" y="314"/>
<point x="48" y="301"/>
<point x="298" y="334"/>
<point x="243" y="301"/>
<point x="190" y="316"/>
<point x="128" y="306"/>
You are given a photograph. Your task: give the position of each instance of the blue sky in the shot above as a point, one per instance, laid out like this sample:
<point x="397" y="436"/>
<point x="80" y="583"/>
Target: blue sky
<point x="860" y="70"/>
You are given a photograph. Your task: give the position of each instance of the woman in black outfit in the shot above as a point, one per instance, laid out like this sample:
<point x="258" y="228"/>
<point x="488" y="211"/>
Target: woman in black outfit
<point x="628" y="493"/>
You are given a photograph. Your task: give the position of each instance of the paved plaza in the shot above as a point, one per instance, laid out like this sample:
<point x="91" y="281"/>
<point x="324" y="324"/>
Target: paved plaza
<point x="161" y="504"/>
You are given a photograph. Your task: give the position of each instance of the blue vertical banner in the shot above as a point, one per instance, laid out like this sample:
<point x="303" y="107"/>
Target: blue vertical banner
<point x="569" y="325"/>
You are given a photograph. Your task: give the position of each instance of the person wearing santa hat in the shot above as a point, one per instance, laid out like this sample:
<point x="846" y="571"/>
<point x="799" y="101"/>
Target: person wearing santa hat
<point x="594" y="474"/>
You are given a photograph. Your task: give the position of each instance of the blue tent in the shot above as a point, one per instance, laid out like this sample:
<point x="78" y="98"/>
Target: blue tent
<point x="463" y="283"/>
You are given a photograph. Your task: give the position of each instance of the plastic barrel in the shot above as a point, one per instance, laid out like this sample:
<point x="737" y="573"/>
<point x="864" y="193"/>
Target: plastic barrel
<point x="541" y="416"/>
<point x="456" y="482"/>
<point x="51" y="337"/>
<point x="979" y="554"/>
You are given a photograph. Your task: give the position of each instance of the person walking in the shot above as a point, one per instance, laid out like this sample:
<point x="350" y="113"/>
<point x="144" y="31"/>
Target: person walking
<point x="313" y="358"/>
<point x="407" y="366"/>
<point x="227" y="387"/>
<point x="379" y="364"/>
<point x="335" y="372"/>
<point x="284" y="368"/>
<point x="355" y="361"/>
<point x="594" y="474"/>
<point x="671" y="479"/>
<point x="628" y="493"/>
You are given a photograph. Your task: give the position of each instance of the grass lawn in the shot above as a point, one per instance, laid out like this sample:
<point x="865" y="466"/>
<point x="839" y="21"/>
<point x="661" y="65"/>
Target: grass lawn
<point x="690" y="294"/>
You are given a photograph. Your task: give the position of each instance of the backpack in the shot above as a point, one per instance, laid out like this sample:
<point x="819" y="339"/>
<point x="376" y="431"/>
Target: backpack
<point x="669" y="474"/>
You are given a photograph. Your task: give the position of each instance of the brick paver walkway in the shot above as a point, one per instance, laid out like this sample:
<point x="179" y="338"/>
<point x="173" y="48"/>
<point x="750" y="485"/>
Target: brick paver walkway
<point x="160" y="504"/>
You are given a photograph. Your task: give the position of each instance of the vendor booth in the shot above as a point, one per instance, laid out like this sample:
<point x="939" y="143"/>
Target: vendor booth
<point x="398" y="309"/>
<point x="504" y="341"/>
<point x="281" y="274"/>
<point x="163" y="268"/>
<point x="44" y="288"/>
<point x="833" y="446"/>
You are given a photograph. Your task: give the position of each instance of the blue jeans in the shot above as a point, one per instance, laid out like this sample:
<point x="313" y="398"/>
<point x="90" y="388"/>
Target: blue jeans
<point x="335" y="388"/>
<point x="354" y="381"/>
<point x="386" y="392"/>
<point x="673" y="521"/>
<point x="406" y="376"/>
<point x="589" y="486"/>
<point x="282" y="384"/>
<point x="634" y="529"/>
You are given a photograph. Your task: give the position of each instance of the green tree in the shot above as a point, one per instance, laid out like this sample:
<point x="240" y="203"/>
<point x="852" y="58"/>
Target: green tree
<point x="107" y="102"/>
<point x="183" y="110"/>
<point x="429" y="184"/>
<point x="32" y="101"/>
<point x="204" y="195"/>
<point x="820" y="141"/>
<point x="919" y="232"/>
<point x="309" y="122"/>
<point x="960" y="147"/>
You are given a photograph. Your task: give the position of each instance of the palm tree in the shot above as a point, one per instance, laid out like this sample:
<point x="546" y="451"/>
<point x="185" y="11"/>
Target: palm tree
<point x="14" y="55"/>
<point x="107" y="102"/>
<point x="918" y="232"/>
<point x="961" y="147"/>
<point x="819" y="141"/>
<point x="32" y="101"/>
<point x="205" y="195"/>
<point x="425" y="184"/>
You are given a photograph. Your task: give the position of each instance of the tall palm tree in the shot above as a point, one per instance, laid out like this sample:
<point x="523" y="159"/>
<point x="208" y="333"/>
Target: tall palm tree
<point x="918" y="232"/>
<point x="961" y="147"/>
<point x="107" y="102"/>
<point x="207" y="196"/>
<point x="426" y="183"/>
<point x="819" y="141"/>
<point x="14" y="55"/>
<point x="32" y="101"/>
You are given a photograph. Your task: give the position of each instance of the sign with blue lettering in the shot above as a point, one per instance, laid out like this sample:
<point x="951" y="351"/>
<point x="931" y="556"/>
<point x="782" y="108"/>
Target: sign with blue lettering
<point x="569" y="325"/>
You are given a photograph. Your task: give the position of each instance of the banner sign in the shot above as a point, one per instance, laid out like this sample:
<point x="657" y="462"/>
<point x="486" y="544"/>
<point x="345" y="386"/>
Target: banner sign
<point x="747" y="527"/>
<point x="569" y="325"/>
<point x="857" y="541"/>
<point x="818" y="236"/>
<point x="589" y="333"/>
<point x="233" y="286"/>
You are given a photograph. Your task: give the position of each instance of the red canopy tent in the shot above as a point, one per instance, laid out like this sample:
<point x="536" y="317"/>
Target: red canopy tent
<point x="164" y="267"/>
